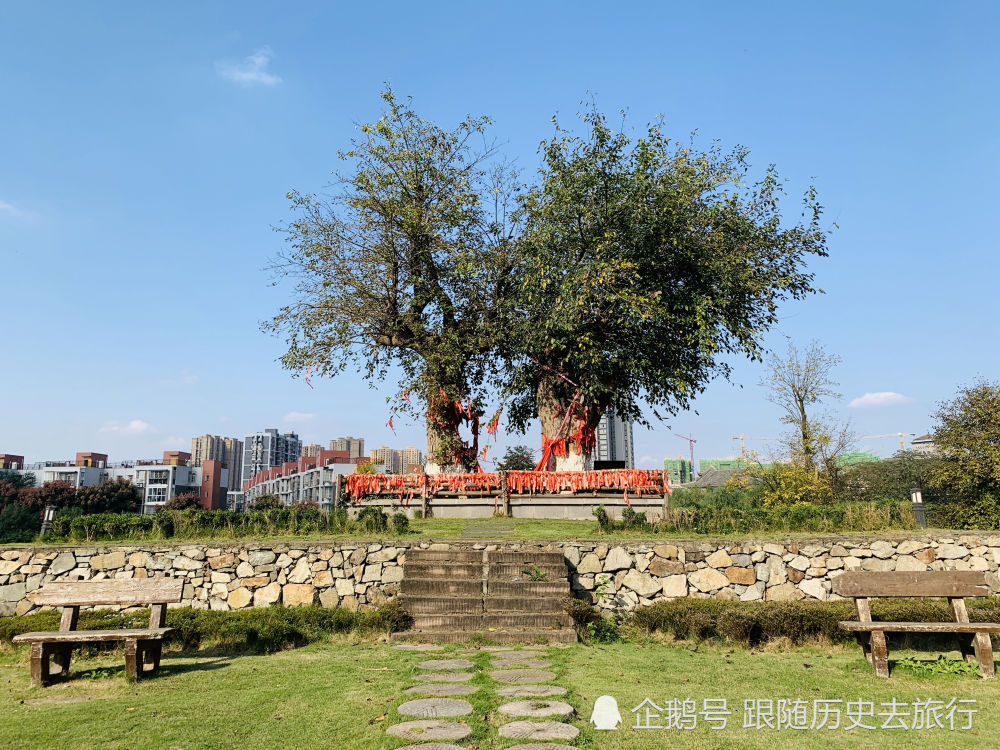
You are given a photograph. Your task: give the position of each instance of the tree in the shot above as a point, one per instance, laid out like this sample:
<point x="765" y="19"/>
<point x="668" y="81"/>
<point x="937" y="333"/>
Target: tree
<point x="116" y="496"/>
<point x="16" y="479"/>
<point x="410" y="264"/>
<point x="266" y="501"/>
<point x="967" y="434"/>
<point x="184" y="501"/>
<point x="797" y="383"/>
<point x="517" y="458"/>
<point x="60" y="494"/>
<point x="646" y="262"/>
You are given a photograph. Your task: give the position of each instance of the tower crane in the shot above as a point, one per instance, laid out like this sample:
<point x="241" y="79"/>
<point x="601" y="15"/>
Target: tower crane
<point x="691" y="442"/>
<point x="900" y="435"/>
<point x="743" y="449"/>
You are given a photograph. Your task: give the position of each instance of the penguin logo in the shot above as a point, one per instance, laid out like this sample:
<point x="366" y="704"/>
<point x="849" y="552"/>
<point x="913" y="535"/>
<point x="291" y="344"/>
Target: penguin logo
<point x="605" y="714"/>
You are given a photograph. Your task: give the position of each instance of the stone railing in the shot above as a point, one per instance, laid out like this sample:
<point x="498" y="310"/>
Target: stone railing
<point x="617" y="575"/>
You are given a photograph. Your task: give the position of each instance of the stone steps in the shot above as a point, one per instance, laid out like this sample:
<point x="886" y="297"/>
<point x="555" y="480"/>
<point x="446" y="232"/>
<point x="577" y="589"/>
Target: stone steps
<point x="507" y="597"/>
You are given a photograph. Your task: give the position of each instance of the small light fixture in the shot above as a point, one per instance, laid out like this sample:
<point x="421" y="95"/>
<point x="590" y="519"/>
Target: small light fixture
<point x="47" y="518"/>
<point x="917" y="498"/>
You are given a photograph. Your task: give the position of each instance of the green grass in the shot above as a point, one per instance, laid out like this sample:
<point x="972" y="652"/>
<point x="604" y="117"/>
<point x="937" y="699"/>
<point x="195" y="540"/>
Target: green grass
<point x="343" y="693"/>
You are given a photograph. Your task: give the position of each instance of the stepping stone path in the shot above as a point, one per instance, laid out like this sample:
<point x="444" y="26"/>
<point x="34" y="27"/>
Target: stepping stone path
<point x="430" y="729"/>
<point x="435" y="708"/>
<point x="418" y="647"/>
<point x="535" y="709"/>
<point x="539" y="730"/>
<point x="446" y="664"/>
<point x="531" y="691"/>
<point x="442" y="688"/>
<point x="521" y="670"/>
<point x="443" y="676"/>
<point x="522" y="676"/>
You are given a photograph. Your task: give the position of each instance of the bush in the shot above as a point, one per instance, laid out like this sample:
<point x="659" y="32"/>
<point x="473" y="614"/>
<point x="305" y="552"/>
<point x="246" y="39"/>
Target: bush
<point x="604" y="522"/>
<point x="591" y="624"/>
<point x="372" y="520"/>
<point x="979" y="512"/>
<point x="754" y="623"/>
<point x="18" y="523"/>
<point x="264" y="629"/>
<point x="400" y="524"/>
<point x="185" y="501"/>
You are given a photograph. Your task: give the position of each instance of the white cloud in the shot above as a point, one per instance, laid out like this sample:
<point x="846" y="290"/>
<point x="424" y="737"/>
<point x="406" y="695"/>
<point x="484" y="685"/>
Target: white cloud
<point x="134" y="427"/>
<point x="298" y="416"/>
<point x="252" y="71"/>
<point x="176" y="443"/>
<point x="882" y="398"/>
<point x="7" y="208"/>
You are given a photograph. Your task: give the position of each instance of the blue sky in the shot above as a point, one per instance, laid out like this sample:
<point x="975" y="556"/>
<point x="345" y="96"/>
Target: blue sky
<point x="146" y="149"/>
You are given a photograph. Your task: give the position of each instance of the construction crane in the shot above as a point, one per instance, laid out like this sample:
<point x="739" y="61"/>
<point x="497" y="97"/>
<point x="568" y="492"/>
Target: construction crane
<point x="743" y="448"/>
<point x="691" y="442"/>
<point x="900" y="435"/>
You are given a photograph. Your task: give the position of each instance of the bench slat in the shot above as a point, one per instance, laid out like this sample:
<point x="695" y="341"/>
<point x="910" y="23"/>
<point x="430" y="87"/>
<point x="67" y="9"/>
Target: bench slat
<point x="950" y="583"/>
<point x="74" y="636"/>
<point x="922" y="627"/>
<point x="124" y="591"/>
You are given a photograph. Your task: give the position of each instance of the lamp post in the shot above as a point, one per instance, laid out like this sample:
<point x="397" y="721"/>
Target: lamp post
<point x="50" y="513"/>
<point x="918" y="507"/>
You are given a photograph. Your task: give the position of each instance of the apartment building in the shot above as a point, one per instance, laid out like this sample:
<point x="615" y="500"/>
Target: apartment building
<point x="227" y="450"/>
<point x="264" y="450"/>
<point x="355" y="447"/>
<point x="312" y="449"/>
<point x="309" y="479"/>
<point x="614" y="440"/>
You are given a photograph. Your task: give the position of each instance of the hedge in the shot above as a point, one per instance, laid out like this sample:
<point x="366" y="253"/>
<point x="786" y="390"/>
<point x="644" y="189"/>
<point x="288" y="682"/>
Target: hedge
<point x="264" y="629"/>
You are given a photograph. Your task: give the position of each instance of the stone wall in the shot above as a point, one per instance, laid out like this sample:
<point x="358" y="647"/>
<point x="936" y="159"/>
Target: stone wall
<point x="616" y="575"/>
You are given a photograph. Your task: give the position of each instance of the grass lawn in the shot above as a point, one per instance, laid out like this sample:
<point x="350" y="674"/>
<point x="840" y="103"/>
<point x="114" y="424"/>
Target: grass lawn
<point x="344" y="693"/>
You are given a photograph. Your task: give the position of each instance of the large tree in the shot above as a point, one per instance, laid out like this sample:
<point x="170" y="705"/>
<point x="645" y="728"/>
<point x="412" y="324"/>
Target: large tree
<point x="647" y="262"/>
<point x="968" y="436"/>
<point x="410" y="263"/>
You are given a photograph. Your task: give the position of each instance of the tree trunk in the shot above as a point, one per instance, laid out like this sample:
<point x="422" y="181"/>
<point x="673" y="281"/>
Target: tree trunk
<point x="554" y="397"/>
<point x="446" y="452"/>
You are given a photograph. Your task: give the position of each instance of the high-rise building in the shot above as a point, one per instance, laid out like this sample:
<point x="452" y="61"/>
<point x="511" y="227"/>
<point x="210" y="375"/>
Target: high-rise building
<point x="391" y="458"/>
<point x="262" y="450"/>
<point x="614" y="440"/>
<point x="679" y="470"/>
<point x="355" y="447"/>
<point x="226" y="450"/>
<point x="312" y="449"/>
<point x="410" y="457"/>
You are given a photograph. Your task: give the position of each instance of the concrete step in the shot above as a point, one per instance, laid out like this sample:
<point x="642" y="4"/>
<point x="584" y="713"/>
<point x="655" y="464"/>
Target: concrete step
<point x="429" y="622"/>
<point x="527" y="571"/>
<point x="441" y="586"/>
<point x="509" y="620"/>
<point x="526" y="556"/>
<point x="443" y="570"/>
<point x="523" y="604"/>
<point x="444" y="555"/>
<point x="519" y="635"/>
<point x="444" y="605"/>
<point x="527" y="588"/>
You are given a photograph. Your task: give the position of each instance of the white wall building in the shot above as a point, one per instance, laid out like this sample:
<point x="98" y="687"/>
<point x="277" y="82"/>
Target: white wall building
<point x="614" y="440"/>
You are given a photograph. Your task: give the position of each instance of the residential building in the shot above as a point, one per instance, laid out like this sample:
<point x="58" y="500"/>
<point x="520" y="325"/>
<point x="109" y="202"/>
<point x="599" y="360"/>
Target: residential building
<point x="679" y="470"/>
<point x="227" y="450"/>
<point x="614" y="440"/>
<point x="312" y="449"/>
<point x="849" y="458"/>
<point x="157" y="479"/>
<point x="924" y="445"/>
<point x="355" y="447"/>
<point x="264" y="450"/>
<point x="310" y="479"/>
<point x="390" y="458"/>
<point x="708" y="464"/>
<point x="10" y="461"/>
<point x="411" y="457"/>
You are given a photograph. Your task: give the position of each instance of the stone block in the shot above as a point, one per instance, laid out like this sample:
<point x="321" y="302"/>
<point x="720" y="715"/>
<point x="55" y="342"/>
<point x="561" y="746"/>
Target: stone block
<point x="372" y="573"/>
<point x="707" y="580"/>
<point x="344" y="587"/>
<point x="65" y="562"/>
<point x="261" y="557"/>
<point x="298" y="594"/>
<point x="182" y="562"/>
<point x="392" y="574"/>
<point x="882" y="549"/>
<point x="908" y="563"/>
<point x="589" y="564"/>
<point x="753" y="593"/>
<point x="927" y="555"/>
<point x="322" y="579"/>
<point x="795" y="575"/>
<point x="719" y="559"/>
<point x="744" y="576"/>
<point x="328" y="598"/>
<point x="617" y="559"/>
<point x="109" y="561"/>
<point x="909" y="546"/>
<point x="799" y="562"/>
<point x="268" y="595"/>
<point x="786" y="592"/>
<point x="660" y="567"/>
<point x="239" y="598"/>
<point x="222" y="561"/>
<point x="13" y="592"/>
<point x="300" y="573"/>
<point x="951" y="552"/>
<point x="641" y="583"/>
<point x="814" y="588"/>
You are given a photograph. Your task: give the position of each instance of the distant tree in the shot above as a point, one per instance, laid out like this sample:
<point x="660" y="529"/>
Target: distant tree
<point x="967" y="434"/>
<point x="266" y="502"/>
<point x="116" y="496"/>
<point x="59" y="494"/>
<point x="797" y="383"/>
<point x="18" y="523"/>
<point x="365" y="468"/>
<point x="517" y="458"/>
<point x="16" y="478"/>
<point x="891" y="479"/>
<point x="184" y="501"/>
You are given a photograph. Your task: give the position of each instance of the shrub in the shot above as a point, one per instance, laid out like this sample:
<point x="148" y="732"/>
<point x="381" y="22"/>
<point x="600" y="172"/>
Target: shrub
<point x="603" y="520"/>
<point x="981" y="511"/>
<point x="400" y="524"/>
<point x="185" y="501"/>
<point x="18" y="523"/>
<point x="591" y="624"/>
<point x="267" y="502"/>
<point x="372" y="520"/>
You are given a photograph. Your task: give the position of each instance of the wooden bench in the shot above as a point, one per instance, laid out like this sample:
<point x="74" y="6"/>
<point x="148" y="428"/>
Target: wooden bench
<point x="953" y="584"/>
<point x="143" y="646"/>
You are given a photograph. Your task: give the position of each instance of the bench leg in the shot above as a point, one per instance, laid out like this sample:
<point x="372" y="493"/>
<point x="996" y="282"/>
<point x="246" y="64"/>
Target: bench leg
<point x="39" y="665"/>
<point x="131" y="660"/>
<point x="864" y="640"/>
<point x="880" y="653"/>
<point x="61" y="657"/>
<point x="984" y="654"/>
<point x="151" y="651"/>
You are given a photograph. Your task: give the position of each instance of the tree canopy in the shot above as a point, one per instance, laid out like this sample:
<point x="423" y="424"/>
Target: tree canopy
<point x="646" y="261"/>
<point x="967" y="434"/>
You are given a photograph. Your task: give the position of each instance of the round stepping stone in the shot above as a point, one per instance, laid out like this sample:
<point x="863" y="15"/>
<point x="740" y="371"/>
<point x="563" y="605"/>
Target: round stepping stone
<point x="431" y="729"/>
<point x="443" y="688"/>
<point x="494" y="649"/>
<point x="537" y="648"/>
<point x="435" y="708"/>
<point x="449" y="746"/>
<point x="530" y="691"/>
<point x="534" y="709"/>
<point x="529" y="746"/>
<point x="526" y="663"/>
<point x="445" y="664"/>
<point x="538" y="730"/>
<point x="418" y="647"/>
<point x="522" y="676"/>
<point x="443" y="676"/>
